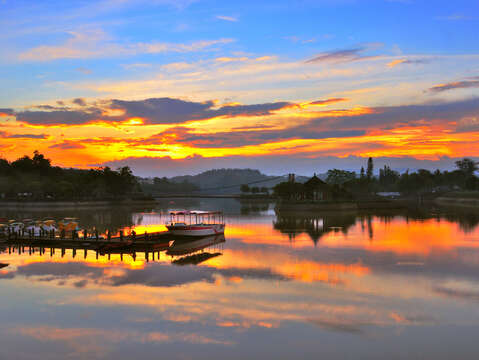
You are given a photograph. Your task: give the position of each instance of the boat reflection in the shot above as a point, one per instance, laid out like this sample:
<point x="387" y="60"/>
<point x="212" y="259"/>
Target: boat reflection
<point x="187" y="246"/>
<point x="192" y="252"/>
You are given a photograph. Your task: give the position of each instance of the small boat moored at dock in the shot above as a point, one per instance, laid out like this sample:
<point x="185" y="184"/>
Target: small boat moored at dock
<point x="196" y="223"/>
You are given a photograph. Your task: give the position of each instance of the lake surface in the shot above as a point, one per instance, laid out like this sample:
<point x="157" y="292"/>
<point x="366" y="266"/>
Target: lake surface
<point x="401" y="285"/>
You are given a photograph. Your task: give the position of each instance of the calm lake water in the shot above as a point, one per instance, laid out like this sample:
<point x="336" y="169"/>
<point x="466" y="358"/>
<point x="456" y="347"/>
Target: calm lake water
<point x="401" y="285"/>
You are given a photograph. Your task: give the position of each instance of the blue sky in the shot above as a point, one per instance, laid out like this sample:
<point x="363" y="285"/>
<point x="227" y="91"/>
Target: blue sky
<point x="293" y="30"/>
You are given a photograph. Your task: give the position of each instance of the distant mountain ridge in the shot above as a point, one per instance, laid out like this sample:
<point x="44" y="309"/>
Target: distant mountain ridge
<point x="221" y="181"/>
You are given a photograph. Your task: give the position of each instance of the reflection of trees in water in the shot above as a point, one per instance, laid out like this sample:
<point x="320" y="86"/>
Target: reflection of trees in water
<point x="253" y="207"/>
<point x="467" y="219"/>
<point x="467" y="222"/>
<point x="318" y="224"/>
<point x="315" y="225"/>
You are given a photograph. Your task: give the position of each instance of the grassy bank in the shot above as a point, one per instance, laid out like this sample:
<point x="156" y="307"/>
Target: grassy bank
<point x="465" y="199"/>
<point x="75" y="204"/>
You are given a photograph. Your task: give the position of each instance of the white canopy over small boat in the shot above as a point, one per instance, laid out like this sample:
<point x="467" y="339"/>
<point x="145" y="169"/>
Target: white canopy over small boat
<point x="196" y="223"/>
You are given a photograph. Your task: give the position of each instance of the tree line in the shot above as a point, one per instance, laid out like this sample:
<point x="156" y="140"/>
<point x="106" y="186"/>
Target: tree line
<point x="35" y="178"/>
<point x="343" y="185"/>
<point x="165" y="186"/>
<point x="421" y="181"/>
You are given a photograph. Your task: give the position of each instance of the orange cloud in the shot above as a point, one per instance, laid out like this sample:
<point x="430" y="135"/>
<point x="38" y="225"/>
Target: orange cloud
<point x="396" y="62"/>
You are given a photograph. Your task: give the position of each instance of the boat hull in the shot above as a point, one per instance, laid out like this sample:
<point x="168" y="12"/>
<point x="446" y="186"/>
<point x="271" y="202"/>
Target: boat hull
<point x="196" y="230"/>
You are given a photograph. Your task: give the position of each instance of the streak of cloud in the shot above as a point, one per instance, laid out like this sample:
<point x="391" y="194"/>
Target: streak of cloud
<point x="5" y="135"/>
<point x="465" y="84"/>
<point x="6" y="112"/>
<point x="97" y="44"/>
<point x="67" y="145"/>
<point x="153" y="111"/>
<point x="227" y="18"/>
<point x="344" y="55"/>
<point x="397" y="62"/>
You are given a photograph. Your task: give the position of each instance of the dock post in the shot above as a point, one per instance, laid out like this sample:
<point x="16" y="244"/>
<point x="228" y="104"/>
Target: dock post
<point x="85" y="234"/>
<point x="146" y="235"/>
<point x="96" y="234"/>
<point x="133" y="236"/>
<point x="108" y="235"/>
<point x="121" y="235"/>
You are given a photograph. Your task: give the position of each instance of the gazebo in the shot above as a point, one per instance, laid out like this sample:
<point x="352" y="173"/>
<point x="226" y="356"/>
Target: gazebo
<point x="316" y="189"/>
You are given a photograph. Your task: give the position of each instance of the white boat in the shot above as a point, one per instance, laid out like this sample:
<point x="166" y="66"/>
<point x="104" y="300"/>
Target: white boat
<point x="15" y="226"/>
<point x="33" y="227"/>
<point x="196" y="223"/>
<point x="48" y="225"/>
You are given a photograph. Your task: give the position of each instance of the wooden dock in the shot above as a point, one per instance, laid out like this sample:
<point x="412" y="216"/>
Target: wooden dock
<point x="85" y="237"/>
<point x="148" y="244"/>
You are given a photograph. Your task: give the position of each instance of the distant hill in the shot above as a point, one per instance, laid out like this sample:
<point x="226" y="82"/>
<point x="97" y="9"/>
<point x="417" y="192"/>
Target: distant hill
<point x="227" y="181"/>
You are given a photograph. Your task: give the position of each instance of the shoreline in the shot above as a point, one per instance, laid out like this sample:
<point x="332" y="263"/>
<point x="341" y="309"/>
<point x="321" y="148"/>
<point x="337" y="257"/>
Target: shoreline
<point x="344" y="205"/>
<point x="457" y="202"/>
<point x="74" y="204"/>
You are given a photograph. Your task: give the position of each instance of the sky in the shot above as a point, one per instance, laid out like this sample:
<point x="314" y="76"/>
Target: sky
<point x="177" y="87"/>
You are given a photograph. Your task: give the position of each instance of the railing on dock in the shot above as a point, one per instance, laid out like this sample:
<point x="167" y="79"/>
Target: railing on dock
<point x="22" y="235"/>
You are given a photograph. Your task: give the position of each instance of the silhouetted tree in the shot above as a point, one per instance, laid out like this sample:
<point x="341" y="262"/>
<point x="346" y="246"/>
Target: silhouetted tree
<point x="37" y="177"/>
<point x="467" y="166"/>
<point x="245" y="188"/>
<point x="388" y="177"/>
<point x="339" y="177"/>
<point x="370" y="170"/>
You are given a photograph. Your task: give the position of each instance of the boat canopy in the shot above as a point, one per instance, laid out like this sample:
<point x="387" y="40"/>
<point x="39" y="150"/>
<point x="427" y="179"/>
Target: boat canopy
<point x="195" y="212"/>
